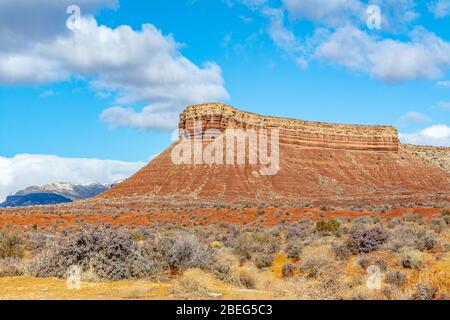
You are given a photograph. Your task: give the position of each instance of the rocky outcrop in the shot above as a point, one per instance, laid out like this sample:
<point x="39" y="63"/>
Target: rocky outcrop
<point x="303" y="133"/>
<point x="438" y="156"/>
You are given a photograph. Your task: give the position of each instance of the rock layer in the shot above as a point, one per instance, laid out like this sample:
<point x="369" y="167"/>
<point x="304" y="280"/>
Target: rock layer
<point x="298" y="132"/>
<point x="320" y="163"/>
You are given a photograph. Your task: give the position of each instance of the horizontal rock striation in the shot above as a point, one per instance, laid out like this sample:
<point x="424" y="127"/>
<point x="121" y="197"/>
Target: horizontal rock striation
<point x="295" y="132"/>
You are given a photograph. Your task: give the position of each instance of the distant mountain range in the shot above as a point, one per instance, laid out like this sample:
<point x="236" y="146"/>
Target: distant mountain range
<point x="54" y="193"/>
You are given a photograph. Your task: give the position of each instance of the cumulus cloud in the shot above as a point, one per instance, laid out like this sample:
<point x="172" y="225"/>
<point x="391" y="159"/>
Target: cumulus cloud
<point x="435" y="135"/>
<point x="414" y="116"/>
<point x="25" y="22"/>
<point x="440" y="8"/>
<point x="133" y="66"/>
<point x="424" y="56"/>
<point x="24" y="170"/>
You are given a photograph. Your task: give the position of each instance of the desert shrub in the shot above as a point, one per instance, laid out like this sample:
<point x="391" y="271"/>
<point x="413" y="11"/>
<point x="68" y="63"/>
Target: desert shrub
<point x="216" y="244"/>
<point x="438" y="225"/>
<point x="329" y="227"/>
<point x="413" y="237"/>
<point x="102" y="249"/>
<point x="341" y="251"/>
<point x="363" y="220"/>
<point x="145" y="263"/>
<point x="413" y="217"/>
<point x="245" y="277"/>
<point x="221" y="270"/>
<point x="193" y="283"/>
<point x="139" y="234"/>
<point x="288" y="270"/>
<point x="410" y="258"/>
<point x="446" y="219"/>
<point x="365" y="262"/>
<point x="396" y="277"/>
<point x="376" y="219"/>
<point x="424" y="292"/>
<point x="243" y="247"/>
<point x="300" y="231"/>
<point x="37" y="241"/>
<point x="11" y="245"/>
<point x="183" y="251"/>
<point x="365" y="240"/>
<point x="10" y="267"/>
<point x="263" y="260"/>
<point x="255" y="242"/>
<point x="261" y="209"/>
<point x="394" y="222"/>
<point x="315" y="260"/>
<point x="383" y="265"/>
<point x="293" y="250"/>
<point x="221" y="264"/>
<point x="446" y="216"/>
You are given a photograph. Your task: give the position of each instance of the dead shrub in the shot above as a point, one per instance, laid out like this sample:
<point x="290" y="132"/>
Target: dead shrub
<point x="288" y="270"/>
<point x="316" y="259"/>
<point x="410" y="258"/>
<point x="396" y="277"/>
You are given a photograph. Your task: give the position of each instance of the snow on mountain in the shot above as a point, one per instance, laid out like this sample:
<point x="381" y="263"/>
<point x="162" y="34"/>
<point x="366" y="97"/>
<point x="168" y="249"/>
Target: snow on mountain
<point x="71" y="191"/>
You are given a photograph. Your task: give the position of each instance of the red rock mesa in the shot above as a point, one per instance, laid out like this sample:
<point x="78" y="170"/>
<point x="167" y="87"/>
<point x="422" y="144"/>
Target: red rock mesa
<point x="320" y="163"/>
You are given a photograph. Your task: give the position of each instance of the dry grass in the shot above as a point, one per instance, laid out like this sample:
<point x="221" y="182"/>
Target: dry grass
<point x="317" y="273"/>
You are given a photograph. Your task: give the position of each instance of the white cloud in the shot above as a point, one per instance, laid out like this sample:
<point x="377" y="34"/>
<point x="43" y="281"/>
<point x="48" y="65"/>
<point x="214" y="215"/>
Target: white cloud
<point x="435" y="135"/>
<point x="25" y="22"/>
<point x="148" y="117"/>
<point x="395" y="14"/>
<point x="143" y="66"/>
<point x="413" y="116"/>
<point x="440" y="8"/>
<point x="424" y="56"/>
<point x="24" y="170"/>
<point x="283" y="37"/>
<point x="329" y="12"/>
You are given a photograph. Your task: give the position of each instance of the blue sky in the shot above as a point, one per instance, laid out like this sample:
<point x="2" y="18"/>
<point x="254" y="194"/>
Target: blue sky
<point x="110" y="88"/>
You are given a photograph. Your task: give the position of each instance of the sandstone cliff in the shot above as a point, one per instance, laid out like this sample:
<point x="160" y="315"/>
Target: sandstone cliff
<point x="298" y="132"/>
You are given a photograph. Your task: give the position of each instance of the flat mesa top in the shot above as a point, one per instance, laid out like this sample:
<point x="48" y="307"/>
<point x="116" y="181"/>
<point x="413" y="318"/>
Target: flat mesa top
<point x="229" y="112"/>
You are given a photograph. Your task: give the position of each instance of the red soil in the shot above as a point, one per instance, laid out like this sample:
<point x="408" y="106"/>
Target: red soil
<point x="270" y="217"/>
